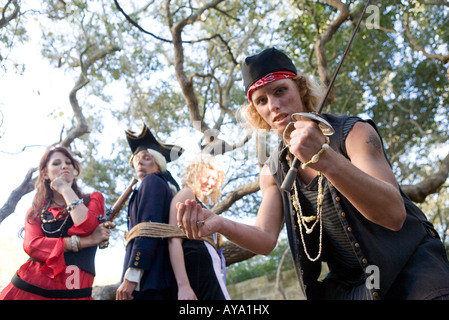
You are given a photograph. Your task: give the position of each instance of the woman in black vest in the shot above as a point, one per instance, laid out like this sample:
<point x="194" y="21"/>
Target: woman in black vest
<point x="345" y="208"/>
<point x="62" y="231"/>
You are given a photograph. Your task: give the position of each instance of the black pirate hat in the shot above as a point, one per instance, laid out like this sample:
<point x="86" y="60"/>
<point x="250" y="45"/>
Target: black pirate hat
<point x="146" y="140"/>
<point x="268" y="61"/>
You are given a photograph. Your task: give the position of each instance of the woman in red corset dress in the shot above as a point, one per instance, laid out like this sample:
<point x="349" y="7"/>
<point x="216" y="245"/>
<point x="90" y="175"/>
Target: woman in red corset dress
<point x="62" y="231"/>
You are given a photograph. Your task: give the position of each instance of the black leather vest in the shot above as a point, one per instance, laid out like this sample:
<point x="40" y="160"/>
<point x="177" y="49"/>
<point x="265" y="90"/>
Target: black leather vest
<point x="371" y="243"/>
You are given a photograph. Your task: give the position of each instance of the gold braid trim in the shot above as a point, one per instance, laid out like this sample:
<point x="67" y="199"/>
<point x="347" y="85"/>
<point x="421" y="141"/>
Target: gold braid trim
<point x="159" y="230"/>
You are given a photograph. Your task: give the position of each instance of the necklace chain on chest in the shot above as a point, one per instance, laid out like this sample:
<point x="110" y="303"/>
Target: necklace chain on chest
<point x="303" y="220"/>
<point x="64" y="215"/>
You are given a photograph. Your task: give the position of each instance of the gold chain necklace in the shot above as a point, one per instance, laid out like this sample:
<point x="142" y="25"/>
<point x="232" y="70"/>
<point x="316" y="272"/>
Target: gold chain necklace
<point x="303" y="220"/>
<point x="44" y="211"/>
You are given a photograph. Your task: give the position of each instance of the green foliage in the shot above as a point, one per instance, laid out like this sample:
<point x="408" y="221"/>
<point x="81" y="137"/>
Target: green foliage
<point x="383" y="77"/>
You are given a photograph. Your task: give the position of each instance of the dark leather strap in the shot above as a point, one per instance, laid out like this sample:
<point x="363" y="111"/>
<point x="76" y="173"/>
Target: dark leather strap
<point x="48" y="293"/>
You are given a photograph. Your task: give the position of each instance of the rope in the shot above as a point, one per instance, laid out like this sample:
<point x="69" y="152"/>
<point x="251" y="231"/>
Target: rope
<point x="159" y="230"/>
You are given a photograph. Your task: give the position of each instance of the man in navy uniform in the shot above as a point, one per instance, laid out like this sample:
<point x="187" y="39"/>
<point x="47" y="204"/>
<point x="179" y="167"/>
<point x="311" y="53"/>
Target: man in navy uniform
<point x="147" y="270"/>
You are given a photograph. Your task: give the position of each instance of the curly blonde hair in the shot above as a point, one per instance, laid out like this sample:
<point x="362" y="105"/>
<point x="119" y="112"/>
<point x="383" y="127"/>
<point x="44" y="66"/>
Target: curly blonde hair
<point x="311" y="93"/>
<point x="197" y="169"/>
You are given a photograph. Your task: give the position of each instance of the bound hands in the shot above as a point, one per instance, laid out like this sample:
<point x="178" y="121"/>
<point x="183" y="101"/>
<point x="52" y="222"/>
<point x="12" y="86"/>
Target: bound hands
<point x="195" y="221"/>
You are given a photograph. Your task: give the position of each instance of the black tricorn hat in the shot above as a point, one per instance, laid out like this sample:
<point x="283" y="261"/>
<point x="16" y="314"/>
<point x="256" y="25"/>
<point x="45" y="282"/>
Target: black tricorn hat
<point x="268" y="61"/>
<point x="146" y="140"/>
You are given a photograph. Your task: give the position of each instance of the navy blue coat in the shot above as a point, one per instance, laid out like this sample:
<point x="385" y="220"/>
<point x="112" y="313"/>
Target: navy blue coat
<point x="151" y="202"/>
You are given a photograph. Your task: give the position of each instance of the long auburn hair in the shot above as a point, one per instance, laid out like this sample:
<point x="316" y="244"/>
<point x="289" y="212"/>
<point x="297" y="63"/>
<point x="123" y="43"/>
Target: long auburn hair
<point x="44" y="194"/>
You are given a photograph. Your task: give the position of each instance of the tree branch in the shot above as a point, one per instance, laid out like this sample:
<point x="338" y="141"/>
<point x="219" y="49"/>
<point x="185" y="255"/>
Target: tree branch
<point x="184" y="81"/>
<point x="443" y="58"/>
<point x="327" y="36"/>
<point x="77" y="131"/>
<point x="235" y="195"/>
<point x="4" y="19"/>
<point x="81" y="123"/>
<point x="25" y="187"/>
<point x="279" y="273"/>
<point x="431" y="184"/>
<point x="233" y="253"/>
<point x="134" y="23"/>
<point x="178" y="27"/>
<point x="435" y="3"/>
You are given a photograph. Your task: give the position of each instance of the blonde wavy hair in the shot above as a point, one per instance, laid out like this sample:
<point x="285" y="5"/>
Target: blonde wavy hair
<point x="311" y="93"/>
<point x="197" y="169"/>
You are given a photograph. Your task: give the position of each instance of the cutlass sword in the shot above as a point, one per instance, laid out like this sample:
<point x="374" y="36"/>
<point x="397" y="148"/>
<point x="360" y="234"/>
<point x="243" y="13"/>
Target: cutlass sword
<point x="325" y="127"/>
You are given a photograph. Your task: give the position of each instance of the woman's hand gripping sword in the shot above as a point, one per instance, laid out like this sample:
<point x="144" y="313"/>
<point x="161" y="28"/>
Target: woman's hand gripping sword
<point x="325" y="127"/>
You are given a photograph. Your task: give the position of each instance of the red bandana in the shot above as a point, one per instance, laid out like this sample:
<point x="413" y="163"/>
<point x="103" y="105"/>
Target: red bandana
<point x="271" y="77"/>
